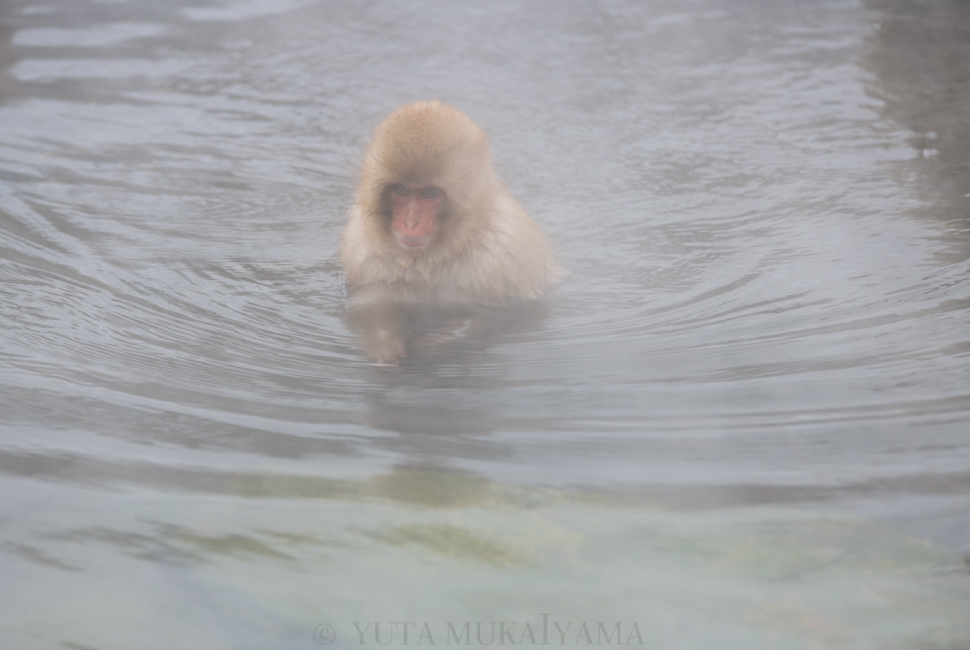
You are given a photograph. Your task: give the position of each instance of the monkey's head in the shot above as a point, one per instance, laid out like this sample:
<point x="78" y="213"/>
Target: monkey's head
<point x="427" y="177"/>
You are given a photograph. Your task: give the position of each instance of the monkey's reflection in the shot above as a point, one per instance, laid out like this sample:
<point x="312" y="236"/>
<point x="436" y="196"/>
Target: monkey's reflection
<point x="431" y="334"/>
<point x="441" y="398"/>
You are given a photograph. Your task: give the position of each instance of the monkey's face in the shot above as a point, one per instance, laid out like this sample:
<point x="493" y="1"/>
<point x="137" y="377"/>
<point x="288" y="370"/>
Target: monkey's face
<point x="416" y="212"/>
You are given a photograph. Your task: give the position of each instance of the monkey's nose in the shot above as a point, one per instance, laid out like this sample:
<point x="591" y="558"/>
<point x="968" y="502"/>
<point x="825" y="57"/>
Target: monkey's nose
<point x="412" y="219"/>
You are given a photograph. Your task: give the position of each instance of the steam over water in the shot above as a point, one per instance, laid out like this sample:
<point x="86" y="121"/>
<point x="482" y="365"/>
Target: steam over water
<point x="743" y="421"/>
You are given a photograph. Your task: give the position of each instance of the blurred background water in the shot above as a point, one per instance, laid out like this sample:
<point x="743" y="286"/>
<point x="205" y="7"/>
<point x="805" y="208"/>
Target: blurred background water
<point x="742" y="422"/>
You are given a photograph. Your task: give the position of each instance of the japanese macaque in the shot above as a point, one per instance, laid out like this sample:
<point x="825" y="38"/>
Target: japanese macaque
<point x="432" y="223"/>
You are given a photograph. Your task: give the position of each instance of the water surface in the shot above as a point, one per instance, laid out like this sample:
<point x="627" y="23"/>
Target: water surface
<point x="742" y="422"/>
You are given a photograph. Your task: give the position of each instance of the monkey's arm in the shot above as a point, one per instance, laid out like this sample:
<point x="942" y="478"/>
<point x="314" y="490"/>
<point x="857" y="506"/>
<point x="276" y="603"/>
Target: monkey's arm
<point x="379" y="320"/>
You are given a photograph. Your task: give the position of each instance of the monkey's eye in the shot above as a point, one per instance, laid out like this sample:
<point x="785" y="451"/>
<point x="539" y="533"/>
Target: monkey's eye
<point x="429" y="193"/>
<point x="402" y="191"/>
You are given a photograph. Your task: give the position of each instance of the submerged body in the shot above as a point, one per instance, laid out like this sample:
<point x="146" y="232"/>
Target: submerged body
<point x="433" y="223"/>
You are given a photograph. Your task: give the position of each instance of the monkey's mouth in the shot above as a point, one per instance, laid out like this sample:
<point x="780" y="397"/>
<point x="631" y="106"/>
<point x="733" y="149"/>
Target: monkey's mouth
<point x="412" y="242"/>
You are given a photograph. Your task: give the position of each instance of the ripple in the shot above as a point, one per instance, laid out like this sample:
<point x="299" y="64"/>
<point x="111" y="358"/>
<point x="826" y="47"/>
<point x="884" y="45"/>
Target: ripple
<point x="766" y="321"/>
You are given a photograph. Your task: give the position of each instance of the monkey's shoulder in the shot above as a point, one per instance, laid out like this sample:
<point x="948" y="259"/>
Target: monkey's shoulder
<point x="518" y="256"/>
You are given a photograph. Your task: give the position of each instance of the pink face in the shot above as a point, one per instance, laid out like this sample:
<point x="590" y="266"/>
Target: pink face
<point x="417" y="210"/>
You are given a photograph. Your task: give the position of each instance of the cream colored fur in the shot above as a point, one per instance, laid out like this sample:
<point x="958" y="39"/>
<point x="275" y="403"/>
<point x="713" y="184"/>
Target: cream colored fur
<point x="487" y="249"/>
